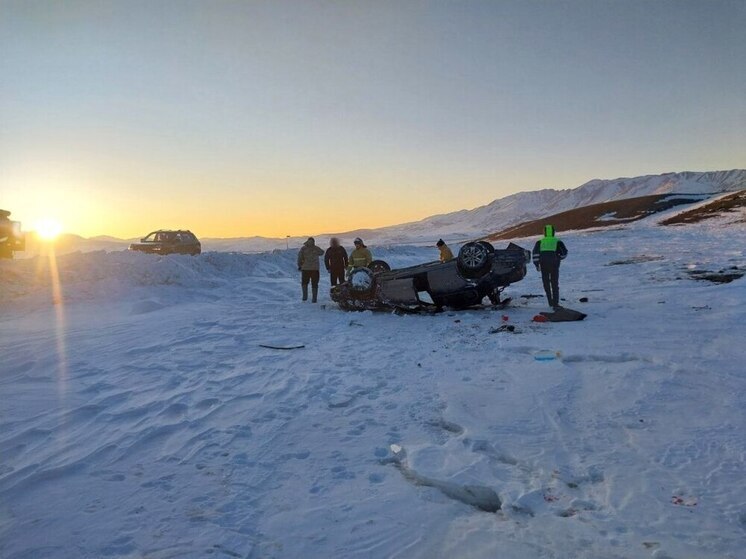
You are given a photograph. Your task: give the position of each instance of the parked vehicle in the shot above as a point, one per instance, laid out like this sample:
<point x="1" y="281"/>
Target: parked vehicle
<point x="12" y="238"/>
<point x="169" y="242"/>
<point x="479" y="271"/>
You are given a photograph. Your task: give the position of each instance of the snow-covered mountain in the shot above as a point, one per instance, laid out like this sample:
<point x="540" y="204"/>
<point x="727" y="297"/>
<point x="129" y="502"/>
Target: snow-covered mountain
<point x="516" y="208"/>
<point x="526" y="206"/>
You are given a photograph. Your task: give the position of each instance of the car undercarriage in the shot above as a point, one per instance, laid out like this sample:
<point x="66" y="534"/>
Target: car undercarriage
<point x="477" y="272"/>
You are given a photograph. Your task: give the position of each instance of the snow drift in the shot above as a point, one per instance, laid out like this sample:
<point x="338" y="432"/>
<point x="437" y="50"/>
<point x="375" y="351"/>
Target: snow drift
<point x="140" y="416"/>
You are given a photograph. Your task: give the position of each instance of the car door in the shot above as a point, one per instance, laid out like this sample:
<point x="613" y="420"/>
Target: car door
<point x="184" y="243"/>
<point x="176" y="244"/>
<point x="192" y="244"/>
<point x="168" y="243"/>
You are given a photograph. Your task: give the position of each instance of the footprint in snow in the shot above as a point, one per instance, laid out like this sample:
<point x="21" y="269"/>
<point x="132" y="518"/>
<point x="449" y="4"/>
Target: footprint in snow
<point x="480" y="497"/>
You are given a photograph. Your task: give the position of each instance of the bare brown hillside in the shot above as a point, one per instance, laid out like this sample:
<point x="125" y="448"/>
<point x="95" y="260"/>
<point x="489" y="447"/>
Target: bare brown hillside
<point x="727" y="204"/>
<point x="605" y="214"/>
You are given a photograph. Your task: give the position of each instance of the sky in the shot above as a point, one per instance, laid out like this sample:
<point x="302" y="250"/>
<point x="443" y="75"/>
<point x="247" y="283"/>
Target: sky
<point x="291" y="118"/>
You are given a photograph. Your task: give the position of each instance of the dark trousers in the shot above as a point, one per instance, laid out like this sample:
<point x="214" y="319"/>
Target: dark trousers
<point x="550" y="279"/>
<point x="337" y="276"/>
<point x="313" y="277"/>
<point x="310" y="276"/>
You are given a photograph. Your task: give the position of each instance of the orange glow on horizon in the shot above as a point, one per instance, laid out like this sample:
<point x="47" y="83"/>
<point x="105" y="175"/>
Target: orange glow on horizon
<point x="271" y="215"/>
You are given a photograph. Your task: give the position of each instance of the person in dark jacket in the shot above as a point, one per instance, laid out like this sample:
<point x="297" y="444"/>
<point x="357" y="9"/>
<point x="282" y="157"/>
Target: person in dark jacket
<point x="548" y="252"/>
<point x="336" y="261"/>
<point x="308" y="266"/>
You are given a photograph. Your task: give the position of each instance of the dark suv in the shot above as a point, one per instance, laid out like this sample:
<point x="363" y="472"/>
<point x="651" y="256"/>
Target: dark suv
<point x="169" y="242"/>
<point x="479" y="271"/>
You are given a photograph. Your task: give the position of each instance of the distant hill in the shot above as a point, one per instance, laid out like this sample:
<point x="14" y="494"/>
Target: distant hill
<point x="514" y="209"/>
<point x="733" y="205"/>
<point x="600" y="215"/>
<point x="526" y="206"/>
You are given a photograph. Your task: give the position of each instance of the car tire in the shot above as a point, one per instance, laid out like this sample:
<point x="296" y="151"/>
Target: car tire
<point x="361" y="281"/>
<point x="378" y="266"/>
<point x="487" y="245"/>
<point x="474" y="259"/>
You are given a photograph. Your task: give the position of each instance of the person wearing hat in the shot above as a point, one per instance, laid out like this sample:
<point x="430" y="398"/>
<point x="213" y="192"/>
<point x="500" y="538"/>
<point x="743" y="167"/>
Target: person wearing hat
<point x="308" y="266"/>
<point x="548" y="252"/>
<point x="335" y="260"/>
<point x="361" y="257"/>
<point x="445" y="252"/>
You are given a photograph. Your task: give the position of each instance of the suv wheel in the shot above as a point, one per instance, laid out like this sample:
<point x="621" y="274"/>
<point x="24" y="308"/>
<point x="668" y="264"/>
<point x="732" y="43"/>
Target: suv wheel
<point x="378" y="266"/>
<point x="473" y="259"/>
<point x="487" y="245"/>
<point x="361" y="280"/>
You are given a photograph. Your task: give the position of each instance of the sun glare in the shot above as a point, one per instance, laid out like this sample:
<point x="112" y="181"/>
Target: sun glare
<point x="48" y="229"/>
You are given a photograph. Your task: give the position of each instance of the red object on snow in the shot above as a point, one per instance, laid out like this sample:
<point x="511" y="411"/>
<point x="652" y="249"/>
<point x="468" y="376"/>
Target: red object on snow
<point x="540" y="318"/>
<point x="680" y="501"/>
<point x="505" y="318"/>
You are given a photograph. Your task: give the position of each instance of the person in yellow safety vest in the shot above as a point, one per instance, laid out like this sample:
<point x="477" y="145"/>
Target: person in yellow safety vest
<point x="360" y="257"/>
<point x="445" y="252"/>
<point x="548" y="252"/>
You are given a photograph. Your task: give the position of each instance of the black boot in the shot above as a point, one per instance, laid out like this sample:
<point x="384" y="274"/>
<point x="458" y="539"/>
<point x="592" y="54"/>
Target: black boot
<point x="305" y="292"/>
<point x="315" y="293"/>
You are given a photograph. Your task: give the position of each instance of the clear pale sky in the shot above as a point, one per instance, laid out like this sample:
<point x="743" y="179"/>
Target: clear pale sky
<point x="282" y="118"/>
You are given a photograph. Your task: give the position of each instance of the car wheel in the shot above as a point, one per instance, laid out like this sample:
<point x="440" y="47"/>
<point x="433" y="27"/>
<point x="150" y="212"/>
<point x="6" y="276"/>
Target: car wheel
<point x="487" y="245"/>
<point x="361" y="280"/>
<point x="378" y="266"/>
<point x="473" y="259"/>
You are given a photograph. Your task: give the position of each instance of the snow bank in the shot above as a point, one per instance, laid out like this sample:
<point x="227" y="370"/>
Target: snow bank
<point x="93" y="275"/>
<point x="148" y="421"/>
<point x="83" y="275"/>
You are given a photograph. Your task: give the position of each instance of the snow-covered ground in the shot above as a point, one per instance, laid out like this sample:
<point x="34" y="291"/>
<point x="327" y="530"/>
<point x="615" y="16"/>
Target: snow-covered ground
<point x="140" y="418"/>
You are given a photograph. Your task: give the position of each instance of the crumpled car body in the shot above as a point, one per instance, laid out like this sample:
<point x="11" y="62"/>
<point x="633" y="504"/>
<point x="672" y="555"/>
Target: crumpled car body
<point x="479" y="271"/>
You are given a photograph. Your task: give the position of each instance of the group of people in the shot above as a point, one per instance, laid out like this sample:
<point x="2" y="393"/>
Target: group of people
<point x="548" y="252"/>
<point x="336" y="261"/>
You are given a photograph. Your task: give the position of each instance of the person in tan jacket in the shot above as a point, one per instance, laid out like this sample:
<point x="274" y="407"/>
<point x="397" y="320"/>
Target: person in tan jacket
<point x="445" y="252"/>
<point x="308" y="266"/>
<point x="361" y="257"/>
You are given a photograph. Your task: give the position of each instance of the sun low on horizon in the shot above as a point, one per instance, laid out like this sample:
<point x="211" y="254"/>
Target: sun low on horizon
<point x="272" y="121"/>
<point x="48" y="229"/>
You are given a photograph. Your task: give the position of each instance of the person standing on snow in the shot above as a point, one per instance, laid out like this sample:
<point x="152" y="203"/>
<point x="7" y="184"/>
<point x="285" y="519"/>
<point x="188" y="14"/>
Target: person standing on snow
<point x="445" y="252"/>
<point x="361" y="257"/>
<point x="308" y="266"/>
<point x="548" y="252"/>
<point x="336" y="261"/>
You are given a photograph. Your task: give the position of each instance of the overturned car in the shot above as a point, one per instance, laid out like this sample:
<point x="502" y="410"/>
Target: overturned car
<point x="479" y="271"/>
